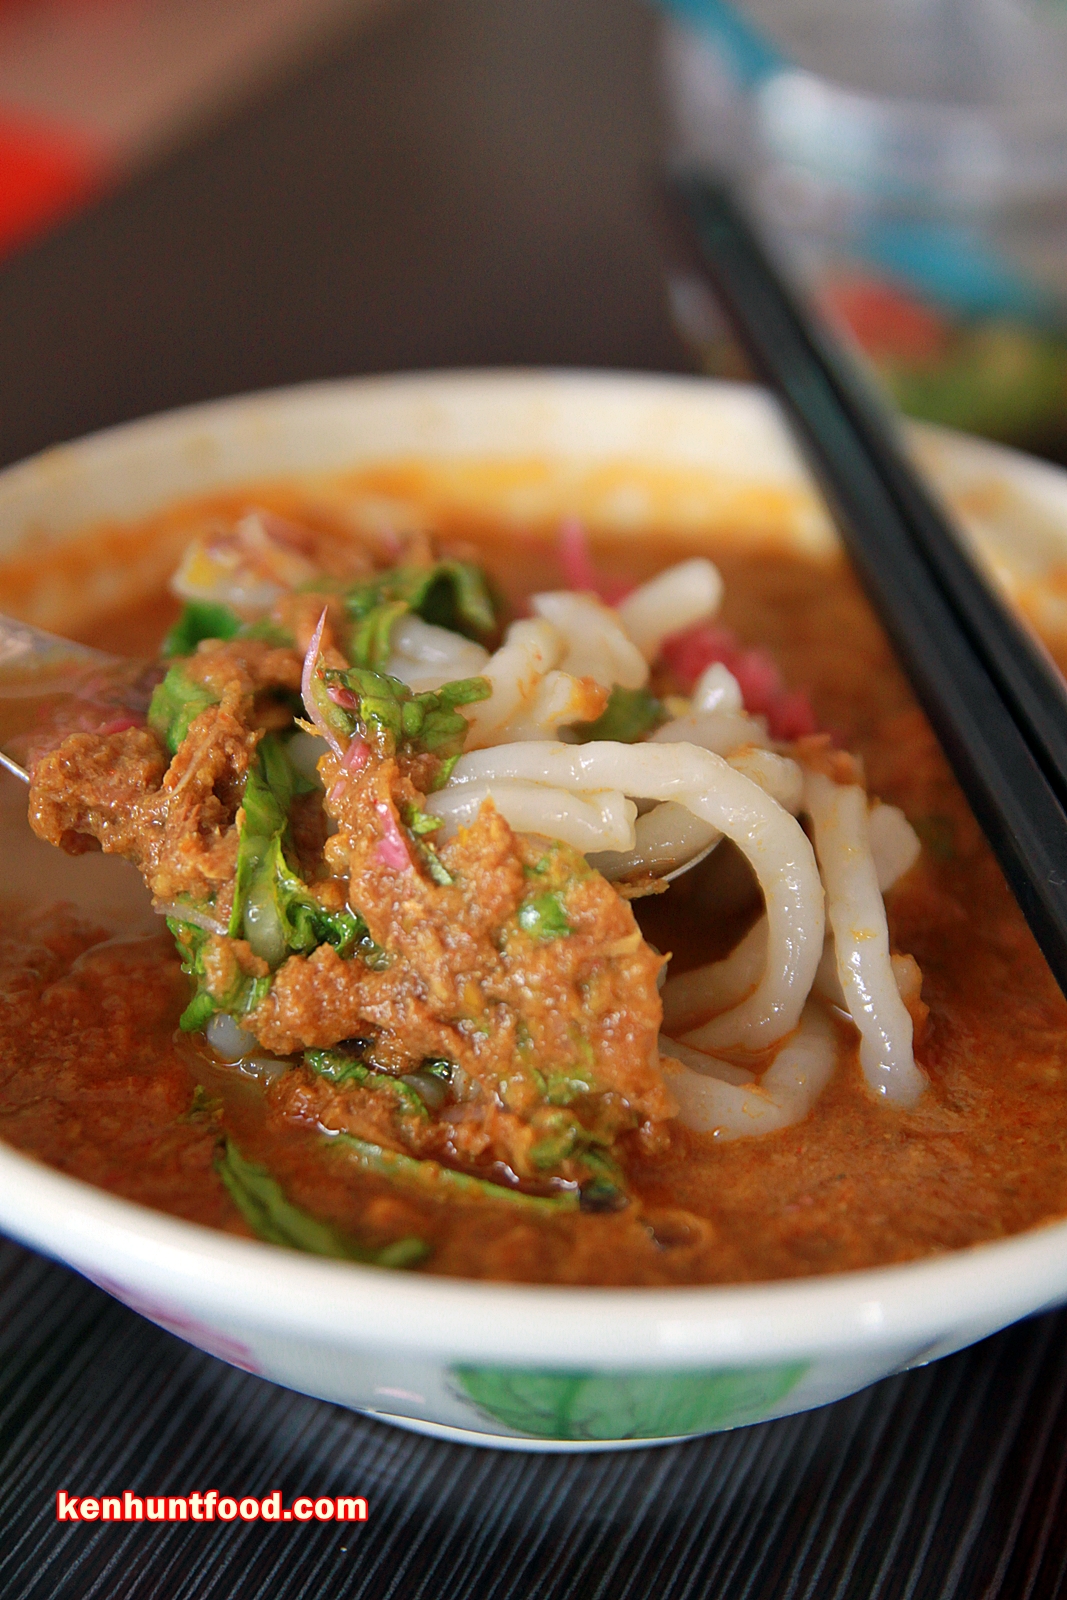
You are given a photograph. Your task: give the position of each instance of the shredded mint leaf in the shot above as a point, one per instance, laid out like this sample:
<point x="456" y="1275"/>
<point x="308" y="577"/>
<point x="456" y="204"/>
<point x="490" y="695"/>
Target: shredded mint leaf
<point x="628" y="716"/>
<point x="444" y="772"/>
<point x="420" y="822"/>
<point x="442" y="1181"/>
<point x="175" y="703"/>
<point x="336" y="1065"/>
<point x="450" y="594"/>
<point x="269" y="632"/>
<point x="244" y="995"/>
<point x="272" y="906"/>
<point x="307" y="923"/>
<point x="393" y="716"/>
<point x="544" y="917"/>
<point x="370" y="641"/>
<point x="563" y="1088"/>
<point x="200" y="619"/>
<point x="263" y="1204"/>
<point x="341" y="1068"/>
<point x="561" y="1136"/>
<point x="198" y="1013"/>
<point x="604" y="1190"/>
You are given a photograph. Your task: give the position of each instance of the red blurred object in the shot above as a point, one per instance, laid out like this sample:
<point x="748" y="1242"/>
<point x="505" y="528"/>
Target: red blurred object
<point x="886" y="321"/>
<point x="689" y="653"/>
<point x="46" y="173"/>
<point x="579" y="571"/>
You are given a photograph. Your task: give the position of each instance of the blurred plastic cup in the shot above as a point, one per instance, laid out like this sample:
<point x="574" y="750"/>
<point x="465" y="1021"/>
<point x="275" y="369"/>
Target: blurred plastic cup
<point x="908" y="159"/>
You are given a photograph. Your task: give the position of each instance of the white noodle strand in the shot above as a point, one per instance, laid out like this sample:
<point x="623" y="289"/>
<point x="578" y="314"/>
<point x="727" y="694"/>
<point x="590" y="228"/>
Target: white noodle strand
<point x="597" y="646"/>
<point x="783" y="1095"/>
<point x="694" y="996"/>
<point x="675" y="599"/>
<point x="424" y="656"/>
<point x="665" y="837"/>
<point x="856" y="914"/>
<point x="894" y="843"/>
<point x="599" y="821"/>
<point x="716" y="690"/>
<point x="721" y="731"/>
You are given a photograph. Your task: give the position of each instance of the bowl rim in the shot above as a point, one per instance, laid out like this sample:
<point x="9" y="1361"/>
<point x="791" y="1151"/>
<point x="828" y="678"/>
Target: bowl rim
<point x="905" y="1305"/>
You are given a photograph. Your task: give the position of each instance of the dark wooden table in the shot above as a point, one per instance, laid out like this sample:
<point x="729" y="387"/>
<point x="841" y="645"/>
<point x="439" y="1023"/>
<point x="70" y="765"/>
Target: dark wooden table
<point x="465" y="183"/>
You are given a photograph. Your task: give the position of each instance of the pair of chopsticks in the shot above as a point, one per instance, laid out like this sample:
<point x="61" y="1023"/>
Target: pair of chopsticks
<point x="995" y="699"/>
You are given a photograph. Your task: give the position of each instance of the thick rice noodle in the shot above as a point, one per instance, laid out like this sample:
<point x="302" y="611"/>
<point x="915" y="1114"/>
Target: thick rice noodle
<point x="702" y="992"/>
<point x="424" y="656"/>
<point x="716" y="690"/>
<point x="857" y="918"/>
<point x="773" y="842"/>
<point x="668" y="835"/>
<point x="601" y="820"/>
<point x="531" y="697"/>
<point x="595" y="643"/>
<point x="721" y="731"/>
<point x="676" y="599"/>
<point x="664" y="838"/>
<point x="712" y="1100"/>
<point x="893" y="842"/>
<point x="557" y="667"/>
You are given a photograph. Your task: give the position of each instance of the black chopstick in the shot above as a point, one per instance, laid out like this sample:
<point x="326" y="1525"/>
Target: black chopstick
<point x="996" y="703"/>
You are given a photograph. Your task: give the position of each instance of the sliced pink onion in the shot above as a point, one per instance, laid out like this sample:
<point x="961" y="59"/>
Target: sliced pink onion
<point x="311" y="661"/>
<point x="120" y="725"/>
<point x="342" y="697"/>
<point x="355" y="759"/>
<point x="356" y="756"/>
<point x="184" y="913"/>
<point x="392" y="848"/>
<point x="574" y="557"/>
<point x="579" y="571"/>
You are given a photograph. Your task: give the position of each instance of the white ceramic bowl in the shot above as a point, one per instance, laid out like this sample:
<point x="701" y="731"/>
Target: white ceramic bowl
<point x="525" y="1367"/>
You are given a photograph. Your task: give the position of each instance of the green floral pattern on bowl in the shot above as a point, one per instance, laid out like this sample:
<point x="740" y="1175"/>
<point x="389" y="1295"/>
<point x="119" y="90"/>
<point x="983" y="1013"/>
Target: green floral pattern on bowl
<point x="546" y="1404"/>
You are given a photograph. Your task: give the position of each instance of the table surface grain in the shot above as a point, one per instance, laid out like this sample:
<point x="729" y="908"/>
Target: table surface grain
<point x="464" y="183"/>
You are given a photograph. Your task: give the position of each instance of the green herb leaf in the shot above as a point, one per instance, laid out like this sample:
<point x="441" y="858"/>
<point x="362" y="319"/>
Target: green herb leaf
<point x="628" y="716"/>
<point x="393" y="716"/>
<point x="200" y="619"/>
<point x="269" y="632"/>
<point x="175" y="703"/>
<point x="263" y="1204"/>
<point x="438" y="1067"/>
<point x="204" y="1107"/>
<point x="450" y="594"/>
<point x="245" y="994"/>
<point x="604" y="1190"/>
<point x="444" y="1182"/>
<point x="271" y="905"/>
<point x="561" y="1136"/>
<point x="370" y="641"/>
<point x="544" y="917"/>
<point x="344" y="1069"/>
<point x="418" y="821"/>
<point x="336" y="1065"/>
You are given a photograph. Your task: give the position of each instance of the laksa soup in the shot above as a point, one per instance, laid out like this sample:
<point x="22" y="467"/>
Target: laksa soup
<point x="530" y="904"/>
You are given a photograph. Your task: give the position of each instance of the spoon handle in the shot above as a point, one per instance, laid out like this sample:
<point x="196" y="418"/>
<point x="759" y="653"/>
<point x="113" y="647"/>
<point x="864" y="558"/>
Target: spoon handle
<point x="34" y="663"/>
<point x="26" y="652"/>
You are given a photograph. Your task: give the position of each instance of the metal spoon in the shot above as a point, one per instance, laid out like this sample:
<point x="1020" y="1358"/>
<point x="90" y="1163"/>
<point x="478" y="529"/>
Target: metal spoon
<point x="34" y="663"/>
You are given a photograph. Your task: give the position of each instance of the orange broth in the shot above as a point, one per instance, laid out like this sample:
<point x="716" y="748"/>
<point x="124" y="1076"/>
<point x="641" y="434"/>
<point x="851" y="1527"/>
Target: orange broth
<point x="96" y="1080"/>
